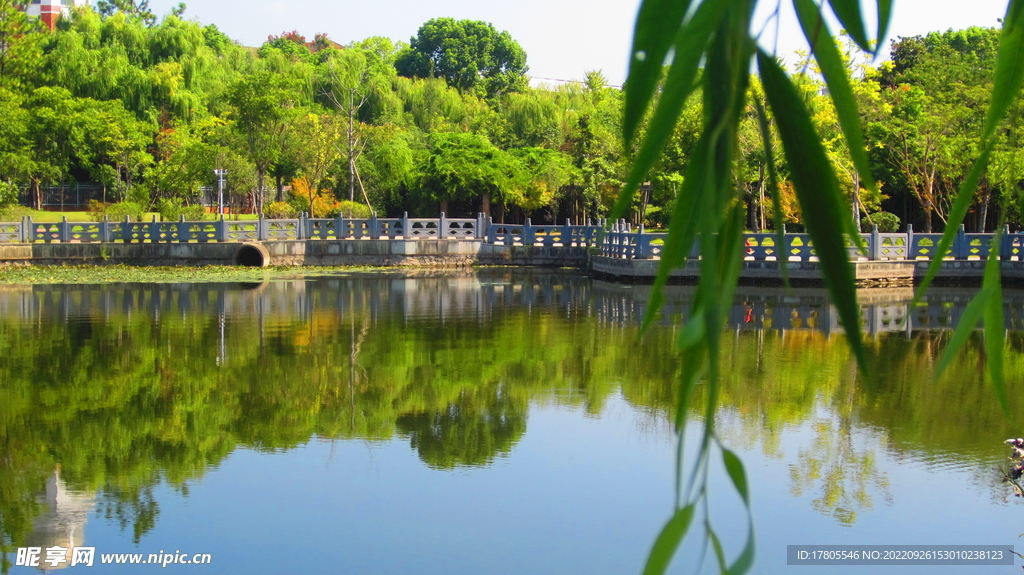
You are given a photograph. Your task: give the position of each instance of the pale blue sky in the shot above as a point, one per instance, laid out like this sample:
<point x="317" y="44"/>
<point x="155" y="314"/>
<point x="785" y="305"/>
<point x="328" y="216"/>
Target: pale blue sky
<point x="562" y="38"/>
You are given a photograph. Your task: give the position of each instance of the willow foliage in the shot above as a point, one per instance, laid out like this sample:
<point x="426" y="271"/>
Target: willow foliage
<point x="709" y="48"/>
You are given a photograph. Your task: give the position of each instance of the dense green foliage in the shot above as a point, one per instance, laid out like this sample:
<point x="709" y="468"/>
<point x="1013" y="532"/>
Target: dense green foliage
<point x="147" y="108"/>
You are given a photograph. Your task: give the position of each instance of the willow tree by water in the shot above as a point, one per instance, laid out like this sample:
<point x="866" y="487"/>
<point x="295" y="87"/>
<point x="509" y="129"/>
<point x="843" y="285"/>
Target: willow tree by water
<point x="708" y="47"/>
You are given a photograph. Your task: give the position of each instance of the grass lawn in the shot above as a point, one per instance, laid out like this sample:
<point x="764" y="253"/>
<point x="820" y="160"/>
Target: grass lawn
<point x="16" y="214"/>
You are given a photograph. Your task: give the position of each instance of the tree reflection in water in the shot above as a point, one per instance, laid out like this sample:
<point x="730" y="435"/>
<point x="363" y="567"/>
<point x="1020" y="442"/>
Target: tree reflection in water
<point x="127" y="386"/>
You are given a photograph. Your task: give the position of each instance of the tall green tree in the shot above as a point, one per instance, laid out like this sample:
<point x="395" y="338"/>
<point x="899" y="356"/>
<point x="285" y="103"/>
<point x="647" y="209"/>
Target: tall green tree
<point x="349" y="80"/>
<point x="263" y="105"/>
<point x="466" y="167"/>
<point x="936" y="89"/>
<point x="20" y="43"/>
<point x="470" y="55"/>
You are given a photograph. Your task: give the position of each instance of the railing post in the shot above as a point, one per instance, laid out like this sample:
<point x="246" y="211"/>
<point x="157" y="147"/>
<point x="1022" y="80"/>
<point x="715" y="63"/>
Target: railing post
<point x="875" y="247"/>
<point x="960" y="247"/>
<point x="126" y="230"/>
<point x="784" y="248"/>
<point x="301" y="230"/>
<point x="910" y="243"/>
<point x="374" y="227"/>
<point x="406" y="232"/>
<point x="26" y="225"/>
<point x="529" y="234"/>
<point x="105" y="230"/>
<point x="262" y="229"/>
<point x="442" y="228"/>
<point x="222" y="230"/>
<point x="642" y="244"/>
<point x="182" y="230"/>
<point x="1006" y="247"/>
<point x="339" y="226"/>
<point x="154" y="231"/>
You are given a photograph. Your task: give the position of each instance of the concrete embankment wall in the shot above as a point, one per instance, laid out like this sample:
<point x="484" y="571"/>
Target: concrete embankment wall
<point x="418" y="253"/>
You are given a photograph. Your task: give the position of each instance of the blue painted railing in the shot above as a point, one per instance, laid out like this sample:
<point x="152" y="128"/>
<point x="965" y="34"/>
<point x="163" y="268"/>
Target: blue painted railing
<point x="624" y="242"/>
<point x="618" y="240"/>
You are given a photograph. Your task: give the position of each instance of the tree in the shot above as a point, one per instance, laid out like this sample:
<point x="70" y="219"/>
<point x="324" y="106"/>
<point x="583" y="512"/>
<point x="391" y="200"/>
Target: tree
<point x="935" y="89"/>
<point x="543" y="174"/>
<point x="132" y="8"/>
<point x="349" y="79"/>
<point x="321" y="136"/>
<point x="19" y="44"/>
<point x="470" y="55"/>
<point x="466" y="167"/>
<point x="263" y="104"/>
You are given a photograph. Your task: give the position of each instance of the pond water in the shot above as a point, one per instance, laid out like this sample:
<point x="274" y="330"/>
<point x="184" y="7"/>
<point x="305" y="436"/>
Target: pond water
<point x="491" y="422"/>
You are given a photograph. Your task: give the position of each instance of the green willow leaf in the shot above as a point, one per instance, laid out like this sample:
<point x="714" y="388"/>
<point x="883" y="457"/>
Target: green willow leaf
<point x="968" y="322"/>
<point x="773" y="183"/>
<point x="693" y="332"/>
<point x="995" y="328"/>
<point x="689" y="45"/>
<point x="1009" y="67"/>
<point x="963" y="201"/>
<point x="746" y="559"/>
<point x="717" y="545"/>
<point x="668" y="541"/>
<point x="884" y="8"/>
<point x="656" y="24"/>
<point x="834" y="71"/>
<point x="734" y="466"/>
<point x="848" y="12"/>
<point x="690" y="207"/>
<point x="818" y="193"/>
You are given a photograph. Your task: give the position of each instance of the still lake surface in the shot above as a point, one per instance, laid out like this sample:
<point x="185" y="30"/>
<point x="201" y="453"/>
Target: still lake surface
<point x="495" y="422"/>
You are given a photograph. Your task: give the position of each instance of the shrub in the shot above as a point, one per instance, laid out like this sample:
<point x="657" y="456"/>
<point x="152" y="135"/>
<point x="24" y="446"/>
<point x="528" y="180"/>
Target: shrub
<point x="96" y="210"/>
<point x="8" y="194"/>
<point x="279" y="210"/>
<point x="886" y="222"/>
<point x="194" y="213"/>
<point x="169" y="208"/>
<point x="133" y="210"/>
<point x="324" y="204"/>
<point x="355" y="210"/>
<point x="15" y="212"/>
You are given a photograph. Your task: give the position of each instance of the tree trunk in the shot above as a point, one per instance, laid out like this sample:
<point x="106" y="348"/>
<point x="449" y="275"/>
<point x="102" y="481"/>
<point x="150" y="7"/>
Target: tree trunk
<point x="261" y="176"/>
<point x="856" y="198"/>
<point x="279" y="182"/>
<point x="351" y="147"/>
<point x="485" y="204"/>
<point x="928" y="219"/>
<point x="983" y="210"/>
<point x="444" y="207"/>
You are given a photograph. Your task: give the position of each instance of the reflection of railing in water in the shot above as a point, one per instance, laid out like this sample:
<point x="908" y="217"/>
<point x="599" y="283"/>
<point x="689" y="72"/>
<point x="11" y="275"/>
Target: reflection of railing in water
<point x="782" y="310"/>
<point x="475" y="298"/>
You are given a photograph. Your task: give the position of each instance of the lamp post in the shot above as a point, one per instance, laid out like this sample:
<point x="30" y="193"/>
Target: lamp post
<point x="220" y="189"/>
